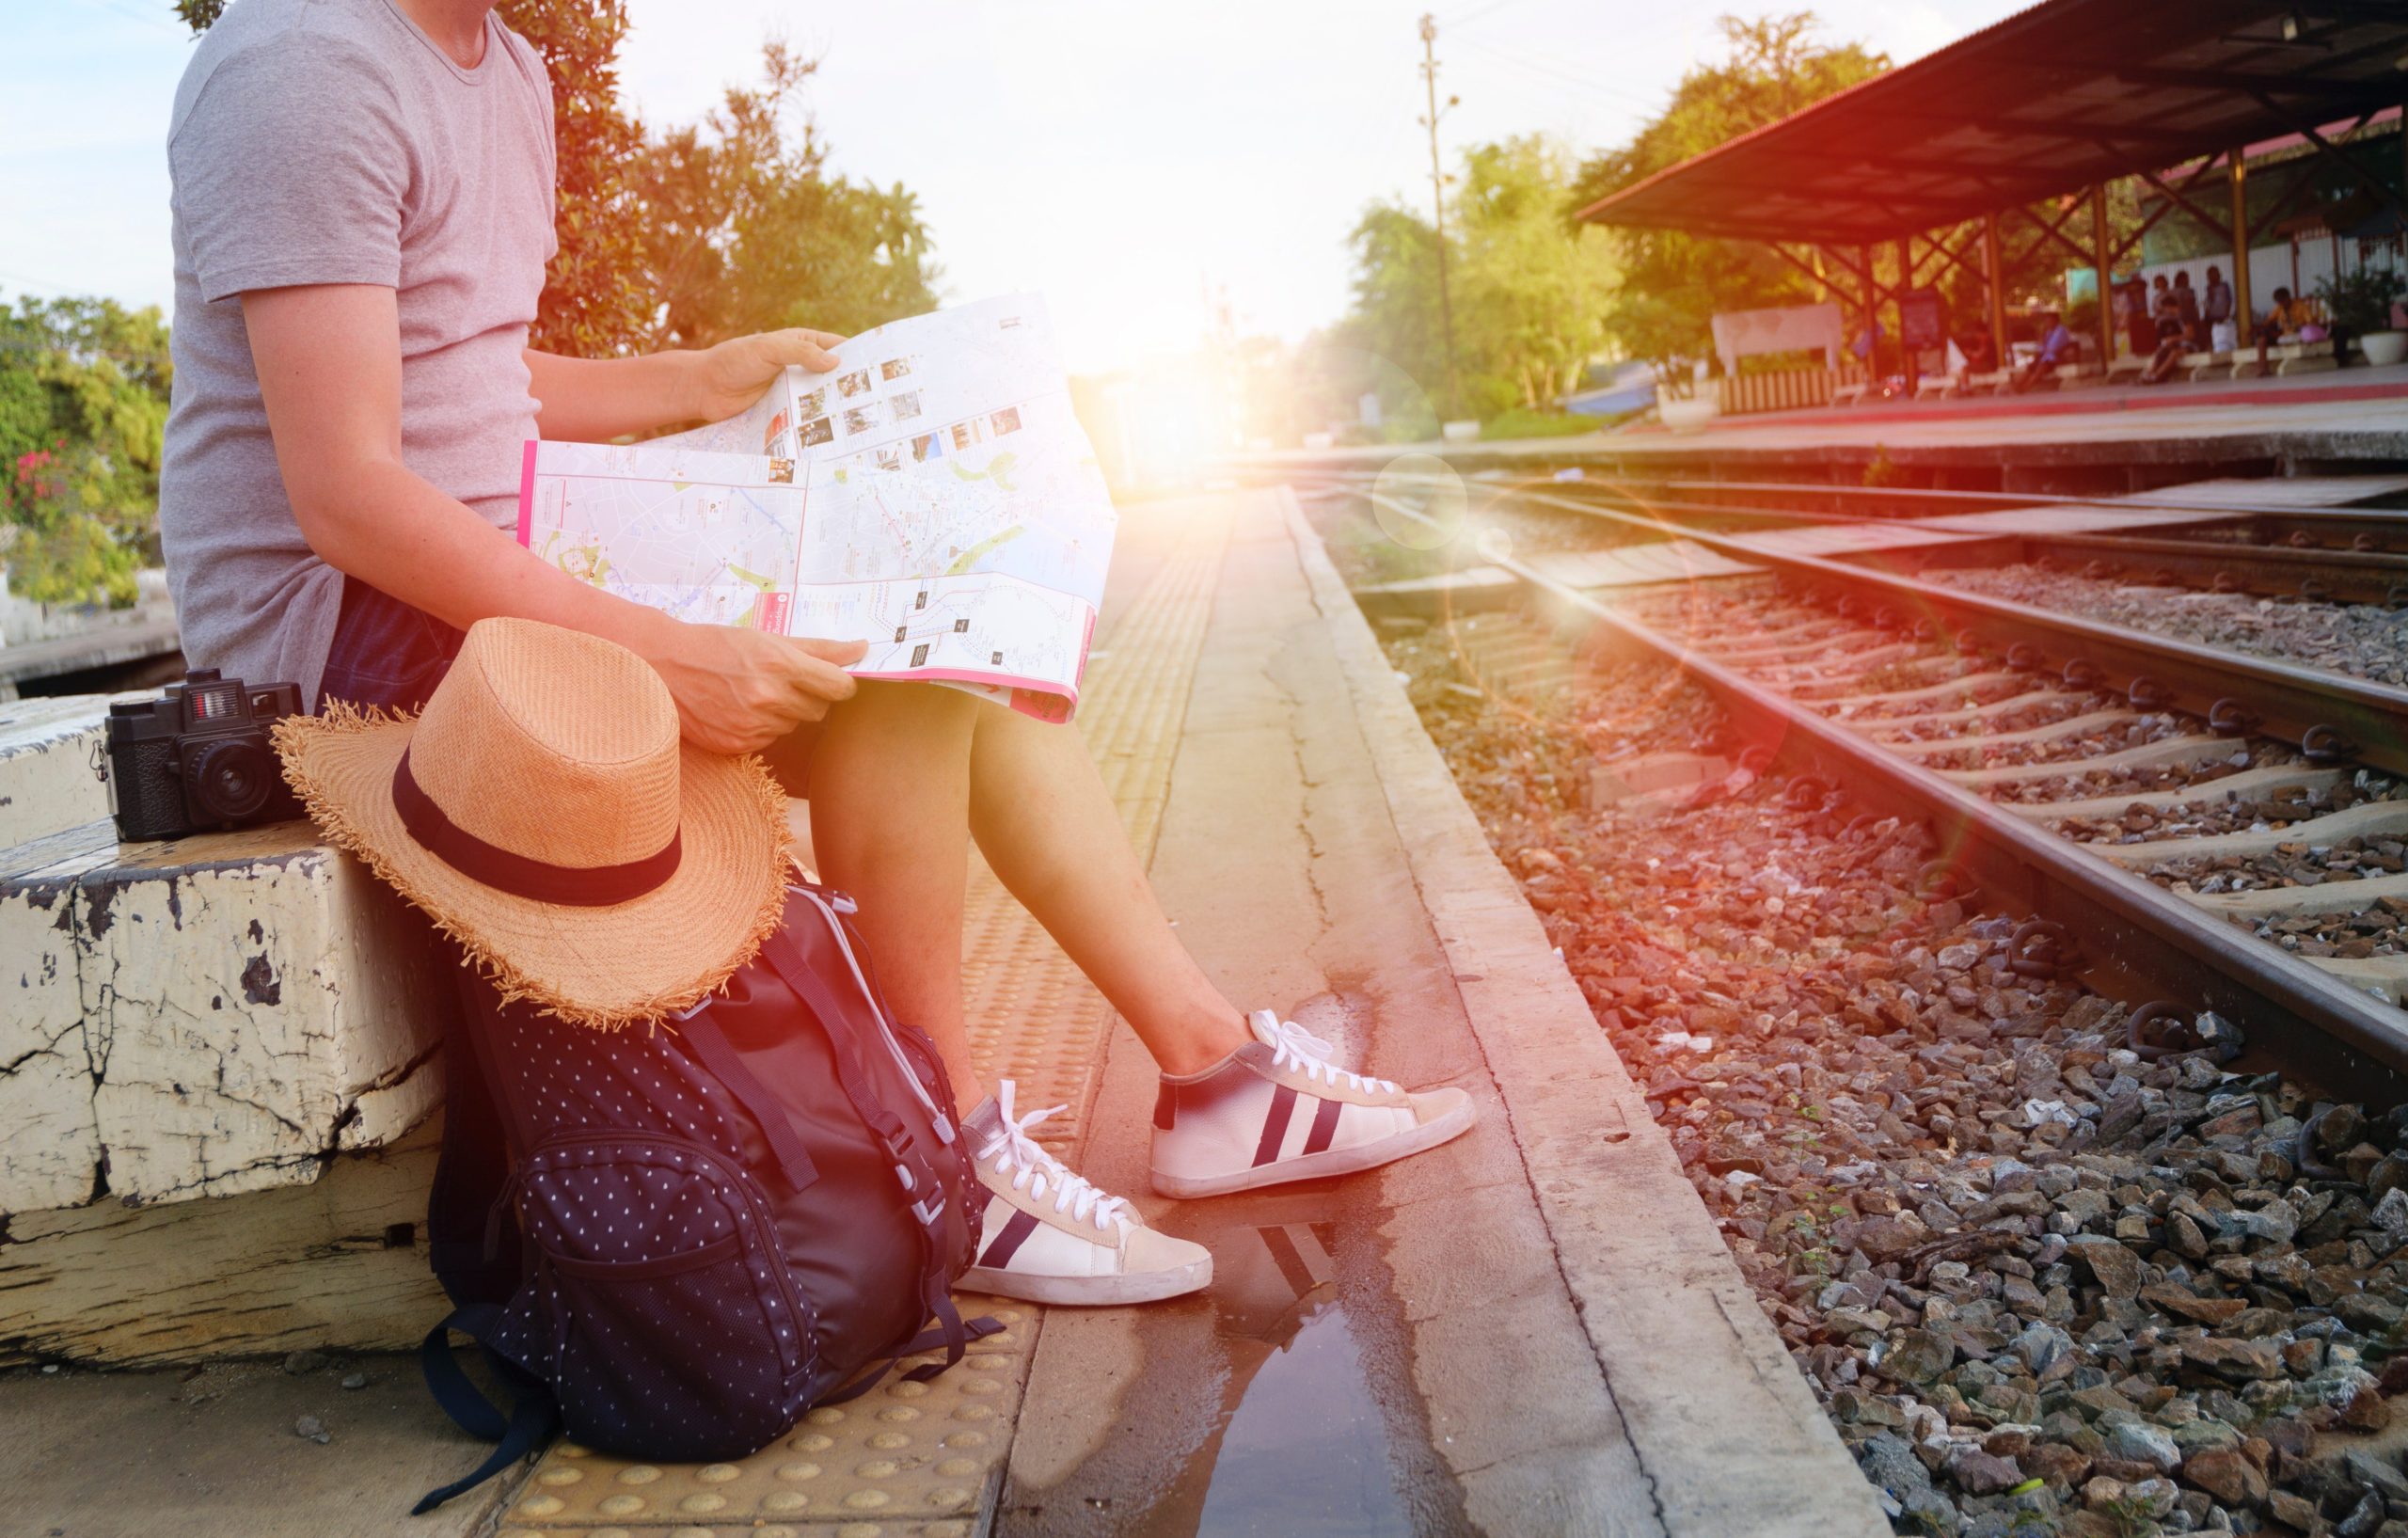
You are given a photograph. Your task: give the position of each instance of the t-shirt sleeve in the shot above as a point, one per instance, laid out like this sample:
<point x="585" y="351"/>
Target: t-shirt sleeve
<point x="291" y="167"/>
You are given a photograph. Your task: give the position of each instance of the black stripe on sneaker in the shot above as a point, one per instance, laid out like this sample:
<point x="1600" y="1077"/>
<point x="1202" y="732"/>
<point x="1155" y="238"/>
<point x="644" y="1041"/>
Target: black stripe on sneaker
<point x="1165" y="1107"/>
<point x="1325" y="1126"/>
<point x="1007" y="1242"/>
<point x="1275" y="1126"/>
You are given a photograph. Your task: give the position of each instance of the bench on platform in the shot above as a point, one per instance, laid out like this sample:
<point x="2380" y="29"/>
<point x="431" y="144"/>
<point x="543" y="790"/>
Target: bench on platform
<point x="1939" y="387"/>
<point x="2286" y="359"/>
<point x="2079" y="375"/>
<point x="2127" y="369"/>
<point x="1991" y="383"/>
<point x="238" y="1015"/>
<point x="2200" y="367"/>
<point x="1848" y="394"/>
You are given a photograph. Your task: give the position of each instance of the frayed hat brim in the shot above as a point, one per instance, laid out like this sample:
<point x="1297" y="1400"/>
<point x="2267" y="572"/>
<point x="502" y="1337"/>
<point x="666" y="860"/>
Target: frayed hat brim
<point x="604" y="967"/>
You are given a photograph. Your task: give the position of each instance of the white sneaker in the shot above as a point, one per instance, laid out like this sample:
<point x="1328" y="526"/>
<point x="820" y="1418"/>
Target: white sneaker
<point x="1278" y="1109"/>
<point x="1050" y="1236"/>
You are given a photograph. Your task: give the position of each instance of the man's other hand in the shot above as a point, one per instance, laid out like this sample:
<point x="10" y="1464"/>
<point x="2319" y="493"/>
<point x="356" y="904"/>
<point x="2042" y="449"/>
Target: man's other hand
<point x="731" y="376"/>
<point x="739" y="690"/>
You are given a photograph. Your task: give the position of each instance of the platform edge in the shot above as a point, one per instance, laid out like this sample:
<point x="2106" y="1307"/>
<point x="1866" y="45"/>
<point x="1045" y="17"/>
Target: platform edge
<point x="1665" y="1310"/>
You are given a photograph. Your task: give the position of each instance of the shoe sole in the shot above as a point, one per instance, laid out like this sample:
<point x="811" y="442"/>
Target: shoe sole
<point x="1090" y="1291"/>
<point x="1323" y="1166"/>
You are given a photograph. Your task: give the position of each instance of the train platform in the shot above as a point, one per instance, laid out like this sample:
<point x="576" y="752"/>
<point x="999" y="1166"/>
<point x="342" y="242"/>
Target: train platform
<point x="1535" y="1329"/>
<point x="2101" y="438"/>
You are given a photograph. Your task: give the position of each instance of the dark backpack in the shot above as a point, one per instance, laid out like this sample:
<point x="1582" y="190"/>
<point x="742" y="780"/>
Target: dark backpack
<point x="671" y="1242"/>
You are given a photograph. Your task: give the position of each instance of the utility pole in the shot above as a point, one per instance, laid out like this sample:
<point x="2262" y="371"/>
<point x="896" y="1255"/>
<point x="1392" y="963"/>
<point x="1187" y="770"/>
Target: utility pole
<point x="1439" y="204"/>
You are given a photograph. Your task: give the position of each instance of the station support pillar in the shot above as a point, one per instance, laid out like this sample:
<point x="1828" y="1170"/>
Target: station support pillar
<point x="1994" y="271"/>
<point x="2237" y="175"/>
<point x="2102" y="248"/>
<point x="1909" y="364"/>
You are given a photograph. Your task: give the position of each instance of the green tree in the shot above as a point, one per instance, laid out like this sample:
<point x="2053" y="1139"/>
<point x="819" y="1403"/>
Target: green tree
<point x="746" y="229"/>
<point x="1530" y="294"/>
<point x="83" y="402"/>
<point x="595" y="302"/>
<point x="1533" y="295"/>
<point x="1671" y="283"/>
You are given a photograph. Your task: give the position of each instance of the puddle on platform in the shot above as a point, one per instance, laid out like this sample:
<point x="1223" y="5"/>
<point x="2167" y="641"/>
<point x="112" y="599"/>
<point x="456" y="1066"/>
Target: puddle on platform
<point x="1299" y="1446"/>
<point x="1305" y="1453"/>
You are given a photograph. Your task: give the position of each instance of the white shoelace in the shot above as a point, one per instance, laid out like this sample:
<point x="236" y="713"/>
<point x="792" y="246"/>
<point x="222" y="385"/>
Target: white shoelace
<point x="1012" y="1150"/>
<point x="1291" y="1045"/>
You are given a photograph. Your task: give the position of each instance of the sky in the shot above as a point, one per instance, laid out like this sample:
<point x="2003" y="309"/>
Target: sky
<point x="1140" y="165"/>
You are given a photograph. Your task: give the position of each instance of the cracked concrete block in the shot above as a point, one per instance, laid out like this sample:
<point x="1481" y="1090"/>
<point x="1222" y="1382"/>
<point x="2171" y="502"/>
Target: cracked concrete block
<point x="47" y="784"/>
<point x="50" y="1145"/>
<point x="247" y="1003"/>
<point x="338" y="1265"/>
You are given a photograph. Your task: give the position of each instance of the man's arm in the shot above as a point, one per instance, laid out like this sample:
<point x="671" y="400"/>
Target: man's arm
<point x="592" y="399"/>
<point x="330" y="373"/>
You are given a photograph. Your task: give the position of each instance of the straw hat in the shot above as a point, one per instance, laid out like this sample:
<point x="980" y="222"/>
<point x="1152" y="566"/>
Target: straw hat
<point x="543" y="809"/>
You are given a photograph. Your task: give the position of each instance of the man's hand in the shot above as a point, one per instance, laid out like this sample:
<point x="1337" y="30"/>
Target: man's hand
<point x="739" y="690"/>
<point x="731" y="376"/>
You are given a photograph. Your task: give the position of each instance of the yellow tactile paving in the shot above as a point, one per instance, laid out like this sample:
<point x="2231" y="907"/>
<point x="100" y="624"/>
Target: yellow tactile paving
<point x="907" y="1458"/>
<point x="912" y="1459"/>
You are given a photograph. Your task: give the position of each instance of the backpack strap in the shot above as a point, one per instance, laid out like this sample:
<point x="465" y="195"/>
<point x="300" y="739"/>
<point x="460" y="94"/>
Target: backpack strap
<point x="786" y="958"/>
<point x="711" y="1045"/>
<point x="533" y="1418"/>
<point x="953" y="1333"/>
<point x="919" y="1178"/>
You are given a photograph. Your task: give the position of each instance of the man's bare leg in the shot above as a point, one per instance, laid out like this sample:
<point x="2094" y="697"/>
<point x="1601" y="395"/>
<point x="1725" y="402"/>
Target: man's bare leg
<point x="890" y="785"/>
<point x="899" y="779"/>
<point x="1048" y="827"/>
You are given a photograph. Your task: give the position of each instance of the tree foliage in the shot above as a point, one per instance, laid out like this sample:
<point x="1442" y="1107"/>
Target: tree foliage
<point x="746" y="231"/>
<point x="83" y="405"/>
<point x="594" y="301"/>
<point x="1672" y="283"/>
<point x="1529" y="292"/>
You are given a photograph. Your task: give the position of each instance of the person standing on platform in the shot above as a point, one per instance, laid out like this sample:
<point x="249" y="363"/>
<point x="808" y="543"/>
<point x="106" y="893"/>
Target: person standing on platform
<point x="2186" y="305"/>
<point x="2216" y="310"/>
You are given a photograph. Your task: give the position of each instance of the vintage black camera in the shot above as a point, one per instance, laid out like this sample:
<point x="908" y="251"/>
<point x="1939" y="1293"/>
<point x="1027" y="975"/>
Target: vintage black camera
<point x="199" y="757"/>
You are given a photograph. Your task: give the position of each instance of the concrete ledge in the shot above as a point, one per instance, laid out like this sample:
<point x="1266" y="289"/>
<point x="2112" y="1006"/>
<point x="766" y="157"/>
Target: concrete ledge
<point x="47" y="779"/>
<point x="204" y="1016"/>
<point x="1726" y="1430"/>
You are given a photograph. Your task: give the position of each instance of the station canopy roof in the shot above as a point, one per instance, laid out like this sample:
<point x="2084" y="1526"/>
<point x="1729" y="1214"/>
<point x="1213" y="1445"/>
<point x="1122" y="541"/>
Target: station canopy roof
<point x="2045" y="102"/>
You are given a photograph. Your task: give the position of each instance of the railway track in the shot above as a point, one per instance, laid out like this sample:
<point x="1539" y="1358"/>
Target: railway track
<point x="1990" y="721"/>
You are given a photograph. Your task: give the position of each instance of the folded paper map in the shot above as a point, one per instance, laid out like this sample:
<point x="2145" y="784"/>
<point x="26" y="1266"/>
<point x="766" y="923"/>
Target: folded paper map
<point x="934" y="497"/>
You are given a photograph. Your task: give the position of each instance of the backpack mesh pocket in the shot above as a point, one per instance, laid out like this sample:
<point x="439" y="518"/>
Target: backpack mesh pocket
<point x="659" y="1308"/>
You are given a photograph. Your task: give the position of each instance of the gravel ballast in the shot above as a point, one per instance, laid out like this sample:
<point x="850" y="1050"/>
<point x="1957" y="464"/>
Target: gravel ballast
<point x="2364" y="641"/>
<point x="2040" y="1284"/>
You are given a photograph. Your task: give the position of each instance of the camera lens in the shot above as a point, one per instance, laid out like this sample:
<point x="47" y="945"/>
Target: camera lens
<point x="228" y="781"/>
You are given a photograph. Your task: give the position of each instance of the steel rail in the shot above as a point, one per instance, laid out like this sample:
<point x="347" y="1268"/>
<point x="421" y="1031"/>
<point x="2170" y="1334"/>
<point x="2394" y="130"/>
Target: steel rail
<point x="2172" y="503"/>
<point x="2276" y="570"/>
<point x="2310" y="707"/>
<point x="2139" y="943"/>
<point x="2356" y="532"/>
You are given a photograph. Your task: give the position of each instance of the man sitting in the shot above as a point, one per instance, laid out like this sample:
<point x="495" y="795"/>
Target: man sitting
<point x="2173" y="342"/>
<point x="2056" y="348"/>
<point x="2285" y="319"/>
<point x="363" y="208"/>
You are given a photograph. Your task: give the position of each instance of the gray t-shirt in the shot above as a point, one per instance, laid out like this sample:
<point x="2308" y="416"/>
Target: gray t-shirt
<point x="331" y="141"/>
